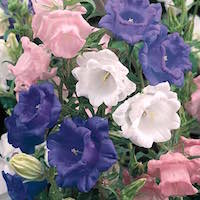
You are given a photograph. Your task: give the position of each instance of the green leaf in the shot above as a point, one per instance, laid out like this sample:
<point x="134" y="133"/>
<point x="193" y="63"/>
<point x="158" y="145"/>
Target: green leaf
<point x="54" y="192"/>
<point x="72" y="2"/>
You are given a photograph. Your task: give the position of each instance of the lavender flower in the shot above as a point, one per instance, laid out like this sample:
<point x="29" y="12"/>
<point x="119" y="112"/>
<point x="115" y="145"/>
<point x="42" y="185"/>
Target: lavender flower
<point x="37" y="110"/>
<point x="80" y="153"/>
<point x="166" y="59"/>
<point x="132" y="20"/>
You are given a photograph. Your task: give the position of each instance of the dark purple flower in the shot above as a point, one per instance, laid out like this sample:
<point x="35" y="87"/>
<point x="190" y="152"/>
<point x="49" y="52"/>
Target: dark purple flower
<point x="37" y="109"/>
<point x="165" y="59"/>
<point x="132" y="20"/>
<point x="80" y="153"/>
<point x="18" y="190"/>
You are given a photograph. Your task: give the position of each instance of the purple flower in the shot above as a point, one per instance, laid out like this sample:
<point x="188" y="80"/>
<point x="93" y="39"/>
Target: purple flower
<point x="80" y="153"/>
<point x="37" y="109"/>
<point x="165" y="59"/>
<point x="132" y="20"/>
<point x="18" y="190"/>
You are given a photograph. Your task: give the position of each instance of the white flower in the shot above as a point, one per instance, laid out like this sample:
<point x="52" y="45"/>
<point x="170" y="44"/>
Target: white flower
<point x="196" y="34"/>
<point x="4" y="23"/>
<point x="6" y="152"/>
<point x="149" y="116"/>
<point x="170" y="3"/>
<point x="5" y="74"/>
<point x="196" y="30"/>
<point x="102" y="78"/>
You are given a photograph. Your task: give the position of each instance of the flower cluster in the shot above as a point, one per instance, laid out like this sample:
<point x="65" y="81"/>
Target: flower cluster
<point x="99" y="109"/>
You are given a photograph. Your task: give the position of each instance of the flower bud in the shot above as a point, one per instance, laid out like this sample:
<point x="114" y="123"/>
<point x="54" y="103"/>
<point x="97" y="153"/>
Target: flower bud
<point x="189" y="30"/>
<point x="12" y="41"/>
<point x="130" y="191"/>
<point x="4" y="23"/>
<point x="27" y="166"/>
<point x="173" y="20"/>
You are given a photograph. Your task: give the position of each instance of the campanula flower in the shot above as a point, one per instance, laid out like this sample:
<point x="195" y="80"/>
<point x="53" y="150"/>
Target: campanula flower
<point x="6" y="153"/>
<point x="132" y="21"/>
<point x="149" y="116"/>
<point x="81" y="153"/>
<point x="65" y="29"/>
<point x="18" y="190"/>
<point x="33" y="65"/>
<point x="102" y="78"/>
<point x="5" y="74"/>
<point x="37" y="109"/>
<point x="166" y="59"/>
<point x="175" y="172"/>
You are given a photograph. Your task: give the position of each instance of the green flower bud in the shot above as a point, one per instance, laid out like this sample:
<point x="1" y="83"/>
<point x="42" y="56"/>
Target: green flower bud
<point x="27" y="167"/>
<point x="130" y="191"/>
<point x="189" y="30"/>
<point x="4" y="23"/>
<point x="12" y="42"/>
<point x="173" y="22"/>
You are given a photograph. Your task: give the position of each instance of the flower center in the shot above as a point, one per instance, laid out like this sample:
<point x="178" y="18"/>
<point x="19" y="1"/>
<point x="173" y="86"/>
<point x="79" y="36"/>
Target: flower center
<point x="131" y="20"/>
<point x="76" y="151"/>
<point x="106" y="76"/>
<point x="165" y="58"/>
<point x="148" y="114"/>
<point x="37" y="106"/>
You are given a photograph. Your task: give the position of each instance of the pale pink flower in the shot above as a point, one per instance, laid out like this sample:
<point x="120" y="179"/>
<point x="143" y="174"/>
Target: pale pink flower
<point x="33" y="65"/>
<point x="64" y="32"/>
<point x="104" y="41"/>
<point x="193" y="106"/>
<point x="175" y="172"/>
<point x="190" y="147"/>
<point x="150" y="190"/>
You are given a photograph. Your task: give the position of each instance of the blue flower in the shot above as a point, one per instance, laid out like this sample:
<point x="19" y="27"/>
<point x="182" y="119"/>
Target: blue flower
<point x="37" y="109"/>
<point x="80" y="153"/>
<point x="132" y="20"/>
<point x="18" y="190"/>
<point x="165" y="59"/>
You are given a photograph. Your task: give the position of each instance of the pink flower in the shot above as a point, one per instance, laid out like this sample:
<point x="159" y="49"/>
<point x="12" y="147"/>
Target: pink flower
<point x="190" y="147"/>
<point x="64" y="32"/>
<point x="193" y="106"/>
<point x="104" y="41"/>
<point x="150" y="191"/>
<point x="33" y="65"/>
<point x="175" y="172"/>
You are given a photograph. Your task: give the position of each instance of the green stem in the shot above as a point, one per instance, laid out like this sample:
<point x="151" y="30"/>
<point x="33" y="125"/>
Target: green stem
<point x="130" y="57"/>
<point x="196" y="9"/>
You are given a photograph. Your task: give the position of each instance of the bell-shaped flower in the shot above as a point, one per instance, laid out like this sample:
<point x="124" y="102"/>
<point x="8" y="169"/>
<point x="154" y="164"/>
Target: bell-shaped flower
<point x="102" y="78"/>
<point x="6" y="153"/>
<point x="175" y="172"/>
<point x="149" y="116"/>
<point x="80" y="151"/>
